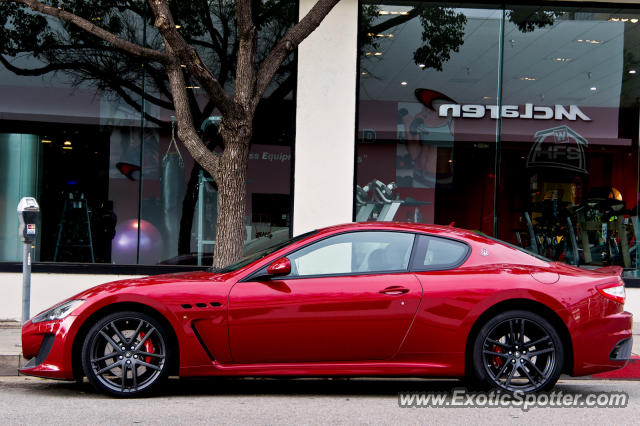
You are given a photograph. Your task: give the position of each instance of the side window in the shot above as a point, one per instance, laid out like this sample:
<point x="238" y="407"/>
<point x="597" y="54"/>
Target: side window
<point x="439" y="253"/>
<point x="354" y="252"/>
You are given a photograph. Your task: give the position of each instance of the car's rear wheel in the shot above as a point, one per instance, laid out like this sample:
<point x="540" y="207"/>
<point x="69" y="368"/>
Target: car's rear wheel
<point x="518" y="351"/>
<point x="126" y="354"/>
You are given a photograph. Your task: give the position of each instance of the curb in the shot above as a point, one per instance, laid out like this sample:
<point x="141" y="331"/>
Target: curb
<point x="9" y="364"/>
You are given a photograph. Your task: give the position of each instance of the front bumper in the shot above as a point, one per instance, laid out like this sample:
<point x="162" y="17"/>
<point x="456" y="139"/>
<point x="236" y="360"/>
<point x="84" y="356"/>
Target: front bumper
<point x="48" y="348"/>
<point x="603" y="344"/>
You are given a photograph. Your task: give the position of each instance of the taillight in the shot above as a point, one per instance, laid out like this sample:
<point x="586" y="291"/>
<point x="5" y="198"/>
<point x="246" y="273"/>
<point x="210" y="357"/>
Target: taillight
<point x="613" y="291"/>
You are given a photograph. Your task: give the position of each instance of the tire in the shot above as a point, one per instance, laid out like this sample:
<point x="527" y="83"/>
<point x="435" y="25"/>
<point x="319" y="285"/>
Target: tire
<point x="105" y="358"/>
<point x="506" y="358"/>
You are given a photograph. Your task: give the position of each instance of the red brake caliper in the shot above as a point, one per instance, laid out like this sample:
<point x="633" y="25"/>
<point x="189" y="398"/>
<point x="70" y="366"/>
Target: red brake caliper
<point x="148" y="347"/>
<point x="497" y="360"/>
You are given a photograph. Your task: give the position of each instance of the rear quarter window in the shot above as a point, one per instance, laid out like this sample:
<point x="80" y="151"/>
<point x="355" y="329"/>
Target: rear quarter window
<point x="436" y="253"/>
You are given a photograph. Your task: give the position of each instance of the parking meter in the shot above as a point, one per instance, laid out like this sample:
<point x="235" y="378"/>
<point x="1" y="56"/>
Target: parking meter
<point x="28" y="214"/>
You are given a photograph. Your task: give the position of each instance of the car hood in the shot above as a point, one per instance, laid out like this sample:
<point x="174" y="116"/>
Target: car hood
<point x="145" y="284"/>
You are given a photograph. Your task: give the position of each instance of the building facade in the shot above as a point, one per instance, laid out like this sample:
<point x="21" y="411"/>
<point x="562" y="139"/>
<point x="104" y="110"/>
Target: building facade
<point x="521" y="122"/>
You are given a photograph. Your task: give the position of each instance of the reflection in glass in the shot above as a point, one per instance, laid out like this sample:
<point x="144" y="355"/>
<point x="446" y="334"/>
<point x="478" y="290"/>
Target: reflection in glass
<point x="112" y="186"/>
<point x="569" y="181"/>
<point x="416" y="164"/>
<point x="565" y="124"/>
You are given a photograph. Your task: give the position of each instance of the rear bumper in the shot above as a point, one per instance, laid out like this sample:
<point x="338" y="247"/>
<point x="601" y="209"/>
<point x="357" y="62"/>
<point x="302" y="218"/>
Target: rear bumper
<point x="48" y="348"/>
<point x="603" y="344"/>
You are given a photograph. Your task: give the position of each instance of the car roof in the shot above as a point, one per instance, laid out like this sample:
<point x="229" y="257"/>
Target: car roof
<point x="447" y="231"/>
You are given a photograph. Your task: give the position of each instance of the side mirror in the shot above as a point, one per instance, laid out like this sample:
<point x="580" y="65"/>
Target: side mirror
<point x="281" y="266"/>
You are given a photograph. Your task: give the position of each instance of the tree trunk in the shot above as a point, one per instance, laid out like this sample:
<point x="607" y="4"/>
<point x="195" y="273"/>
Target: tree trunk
<point x="232" y="176"/>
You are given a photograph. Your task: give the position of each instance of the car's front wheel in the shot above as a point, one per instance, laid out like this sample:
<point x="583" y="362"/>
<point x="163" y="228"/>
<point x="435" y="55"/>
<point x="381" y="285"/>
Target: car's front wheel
<point x="126" y="354"/>
<point x="518" y="351"/>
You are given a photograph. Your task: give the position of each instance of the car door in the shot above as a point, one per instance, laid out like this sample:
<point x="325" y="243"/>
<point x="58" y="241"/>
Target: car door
<point x="348" y="297"/>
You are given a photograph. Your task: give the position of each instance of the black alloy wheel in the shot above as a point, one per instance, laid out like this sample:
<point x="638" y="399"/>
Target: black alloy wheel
<point x="518" y="351"/>
<point x="126" y="354"/>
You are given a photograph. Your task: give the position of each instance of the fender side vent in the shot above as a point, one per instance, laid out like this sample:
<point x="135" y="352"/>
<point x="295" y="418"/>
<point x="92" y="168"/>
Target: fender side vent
<point x="195" y="332"/>
<point x="215" y="304"/>
<point x="186" y="306"/>
<point x="201" y="305"/>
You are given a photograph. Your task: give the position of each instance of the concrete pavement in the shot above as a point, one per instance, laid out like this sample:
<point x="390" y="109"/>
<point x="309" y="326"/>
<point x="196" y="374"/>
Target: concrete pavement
<point x="28" y="400"/>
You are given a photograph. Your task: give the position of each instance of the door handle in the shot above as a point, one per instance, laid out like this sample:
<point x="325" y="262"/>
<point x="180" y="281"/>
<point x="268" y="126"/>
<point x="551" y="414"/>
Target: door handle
<point x="394" y="290"/>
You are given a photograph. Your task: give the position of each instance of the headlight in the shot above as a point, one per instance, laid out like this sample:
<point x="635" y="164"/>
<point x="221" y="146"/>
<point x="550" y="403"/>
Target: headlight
<point x="58" y="312"/>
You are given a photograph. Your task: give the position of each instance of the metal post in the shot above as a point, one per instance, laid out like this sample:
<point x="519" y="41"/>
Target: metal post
<point x="28" y="214"/>
<point x="26" y="282"/>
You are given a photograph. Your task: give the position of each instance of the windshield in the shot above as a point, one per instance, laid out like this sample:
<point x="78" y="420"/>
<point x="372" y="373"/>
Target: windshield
<point x="250" y="258"/>
<point x="530" y="253"/>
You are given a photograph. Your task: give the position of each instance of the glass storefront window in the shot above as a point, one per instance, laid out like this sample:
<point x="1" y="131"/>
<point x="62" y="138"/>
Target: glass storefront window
<point x="414" y="164"/>
<point x="569" y="162"/>
<point x="521" y="122"/>
<point x="87" y="130"/>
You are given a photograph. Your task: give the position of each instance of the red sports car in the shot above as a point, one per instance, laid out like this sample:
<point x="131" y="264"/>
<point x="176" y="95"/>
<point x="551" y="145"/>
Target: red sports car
<point x="366" y="299"/>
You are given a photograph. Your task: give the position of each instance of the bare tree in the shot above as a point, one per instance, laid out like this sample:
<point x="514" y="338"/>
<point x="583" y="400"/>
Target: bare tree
<point x="237" y="105"/>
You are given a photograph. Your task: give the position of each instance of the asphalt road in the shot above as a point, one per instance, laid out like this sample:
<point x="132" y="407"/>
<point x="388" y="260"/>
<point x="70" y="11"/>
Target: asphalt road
<point x="32" y="401"/>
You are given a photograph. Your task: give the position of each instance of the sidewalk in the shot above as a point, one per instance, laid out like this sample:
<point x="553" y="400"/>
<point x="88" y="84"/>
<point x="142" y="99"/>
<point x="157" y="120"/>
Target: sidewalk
<point x="11" y="350"/>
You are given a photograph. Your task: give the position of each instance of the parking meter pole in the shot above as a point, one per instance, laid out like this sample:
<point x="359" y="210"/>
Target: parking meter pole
<point x="26" y="282"/>
<point x="28" y="215"/>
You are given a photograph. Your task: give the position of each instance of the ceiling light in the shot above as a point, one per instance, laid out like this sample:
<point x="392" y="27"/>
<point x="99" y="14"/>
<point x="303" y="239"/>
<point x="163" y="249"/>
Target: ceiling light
<point x="391" y="12"/>
<point x="67" y="147"/>
<point x="178" y="27"/>
<point x="563" y="59"/>
<point x="373" y="54"/>
<point x="46" y="141"/>
<point x="192" y="87"/>
<point x="486" y="98"/>
<point x="421" y="65"/>
<point x="589" y="41"/>
<point x="630" y="72"/>
<point x="528" y="78"/>
<point x="619" y="19"/>
<point x="364" y="73"/>
<point x="67" y="143"/>
<point x="593" y="88"/>
<point x="183" y="66"/>
<point x="404" y="83"/>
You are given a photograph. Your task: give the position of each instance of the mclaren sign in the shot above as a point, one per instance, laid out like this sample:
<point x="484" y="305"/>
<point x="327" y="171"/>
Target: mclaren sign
<point x="530" y="111"/>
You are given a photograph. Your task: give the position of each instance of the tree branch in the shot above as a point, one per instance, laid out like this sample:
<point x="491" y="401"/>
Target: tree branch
<point x="213" y="33"/>
<point x="129" y="100"/>
<point x="288" y="43"/>
<point x="245" y="73"/>
<point x="186" y="131"/>
<point x="174" y="42"/>
<point x="35" y="71"/>
<point x="95" y="30"/>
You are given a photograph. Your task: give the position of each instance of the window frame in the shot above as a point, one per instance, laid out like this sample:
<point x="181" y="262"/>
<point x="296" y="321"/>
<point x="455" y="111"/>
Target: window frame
<point x="262" y="272"/>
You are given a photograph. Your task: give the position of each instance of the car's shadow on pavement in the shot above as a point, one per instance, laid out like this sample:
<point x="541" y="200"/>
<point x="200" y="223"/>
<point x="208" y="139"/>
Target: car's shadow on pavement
<point x="299" y="387"/>
<point x="308" y="386"/>
<point x="261" y="386"/>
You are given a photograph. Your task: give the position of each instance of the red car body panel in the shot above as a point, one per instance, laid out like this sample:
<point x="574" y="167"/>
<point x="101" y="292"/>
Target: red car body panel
<point x="350" y="325"/>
